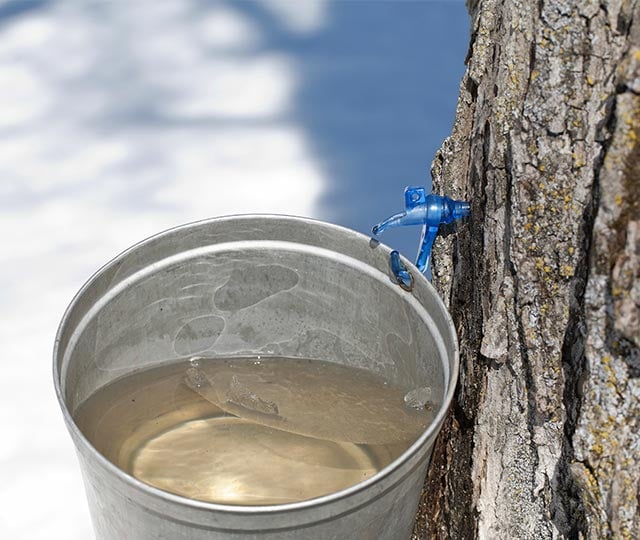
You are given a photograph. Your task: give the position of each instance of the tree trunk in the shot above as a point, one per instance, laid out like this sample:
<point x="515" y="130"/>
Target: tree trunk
<point x="543" y="280"/>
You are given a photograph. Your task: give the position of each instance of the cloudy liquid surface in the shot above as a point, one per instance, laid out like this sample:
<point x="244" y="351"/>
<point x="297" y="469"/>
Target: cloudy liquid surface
<point x="249" y="431"/>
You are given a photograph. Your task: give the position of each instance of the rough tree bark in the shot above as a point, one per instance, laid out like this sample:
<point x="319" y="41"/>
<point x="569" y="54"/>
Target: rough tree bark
<point x="543" y="439"/>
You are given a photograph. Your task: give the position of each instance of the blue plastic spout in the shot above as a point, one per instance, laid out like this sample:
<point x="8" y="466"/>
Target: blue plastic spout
<point x="430" y="211"/>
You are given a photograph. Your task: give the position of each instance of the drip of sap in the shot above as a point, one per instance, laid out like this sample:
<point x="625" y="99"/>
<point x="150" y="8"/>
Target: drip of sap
<point x="252" y="432"/>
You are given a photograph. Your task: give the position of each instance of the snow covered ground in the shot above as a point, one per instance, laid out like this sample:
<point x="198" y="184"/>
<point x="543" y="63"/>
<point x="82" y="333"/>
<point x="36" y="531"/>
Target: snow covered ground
<point x="121" y="119"/>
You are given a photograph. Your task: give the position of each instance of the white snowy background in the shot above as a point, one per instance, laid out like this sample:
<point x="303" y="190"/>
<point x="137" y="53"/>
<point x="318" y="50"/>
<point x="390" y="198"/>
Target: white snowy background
<point x="121" y="119"/>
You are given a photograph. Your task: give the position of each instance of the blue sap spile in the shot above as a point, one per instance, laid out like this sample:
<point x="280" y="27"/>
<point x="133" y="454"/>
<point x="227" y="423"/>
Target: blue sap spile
<point x="430" y="211"/>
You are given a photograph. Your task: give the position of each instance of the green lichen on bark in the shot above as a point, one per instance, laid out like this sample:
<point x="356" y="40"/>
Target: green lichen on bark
<point x="543" y="440"/>
<point x="607" y="438"/>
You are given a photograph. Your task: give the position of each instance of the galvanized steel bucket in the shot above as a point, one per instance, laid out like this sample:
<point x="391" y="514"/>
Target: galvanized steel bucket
<point x="315" y="289"/>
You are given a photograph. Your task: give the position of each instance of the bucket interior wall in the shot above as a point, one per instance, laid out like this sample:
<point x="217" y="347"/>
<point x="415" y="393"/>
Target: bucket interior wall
<point x="249" y="290"/>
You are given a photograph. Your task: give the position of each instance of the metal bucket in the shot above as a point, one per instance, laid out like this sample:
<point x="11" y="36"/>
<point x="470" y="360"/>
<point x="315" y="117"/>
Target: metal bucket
<point x="317" y="291"/>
